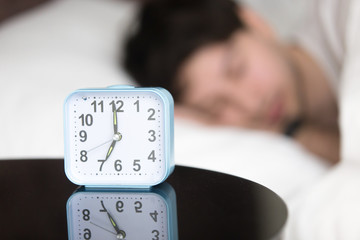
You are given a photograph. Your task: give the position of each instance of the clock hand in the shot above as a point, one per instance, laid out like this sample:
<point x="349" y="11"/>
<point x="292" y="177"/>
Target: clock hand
<point x="99" y="145"/>
<point x="110" y="150"/>
<point x="115" y="122"/>
<point x="102" y="228"/>
<point x="120" y="233"/>
<point x="116" y="137"/>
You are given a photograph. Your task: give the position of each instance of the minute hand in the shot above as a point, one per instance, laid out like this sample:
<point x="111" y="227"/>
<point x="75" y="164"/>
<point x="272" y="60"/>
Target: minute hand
<point x="115" y="122"/>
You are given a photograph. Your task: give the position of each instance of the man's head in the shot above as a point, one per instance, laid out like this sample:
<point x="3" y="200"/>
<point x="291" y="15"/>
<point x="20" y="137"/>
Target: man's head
<point x="168" y="32"/>
<point x="216" y="58"/>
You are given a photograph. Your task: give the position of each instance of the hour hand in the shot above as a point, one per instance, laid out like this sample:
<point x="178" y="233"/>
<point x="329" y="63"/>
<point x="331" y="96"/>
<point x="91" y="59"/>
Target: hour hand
<point x="110" y="150"/>
<point x="120" y="234"/>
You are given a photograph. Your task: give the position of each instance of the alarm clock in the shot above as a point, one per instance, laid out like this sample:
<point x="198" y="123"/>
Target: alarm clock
<point x="125" y="214"/>
<point x="120" y="136"/>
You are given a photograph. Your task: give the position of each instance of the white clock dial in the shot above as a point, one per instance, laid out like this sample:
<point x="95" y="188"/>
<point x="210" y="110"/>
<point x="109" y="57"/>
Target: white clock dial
<point x="117" y="137"/>
<point x="114" y="215"/>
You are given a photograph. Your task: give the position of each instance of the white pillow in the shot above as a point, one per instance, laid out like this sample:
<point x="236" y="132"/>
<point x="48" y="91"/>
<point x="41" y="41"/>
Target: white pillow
<point x="272" y="160"/>
<point x="44" y="55"/>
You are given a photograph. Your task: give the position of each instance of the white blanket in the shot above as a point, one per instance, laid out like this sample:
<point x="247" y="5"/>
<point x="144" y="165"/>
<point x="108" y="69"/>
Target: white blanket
<point x="330" y="209"/>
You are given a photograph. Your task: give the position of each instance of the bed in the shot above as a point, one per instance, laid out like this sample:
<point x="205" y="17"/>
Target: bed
<point x="58" y="46"/>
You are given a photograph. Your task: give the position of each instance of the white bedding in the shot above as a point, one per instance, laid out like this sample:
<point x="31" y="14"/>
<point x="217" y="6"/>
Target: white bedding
<point x="65" y="45"/>
<point x="329" y="210"/>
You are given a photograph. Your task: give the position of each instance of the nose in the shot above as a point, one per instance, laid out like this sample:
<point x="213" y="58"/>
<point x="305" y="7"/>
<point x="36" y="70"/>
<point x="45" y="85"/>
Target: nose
<point x="245" y="99"/>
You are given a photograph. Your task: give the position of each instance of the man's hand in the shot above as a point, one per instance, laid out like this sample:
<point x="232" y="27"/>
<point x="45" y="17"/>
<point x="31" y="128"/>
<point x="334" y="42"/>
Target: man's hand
<point x="322" y="141"/>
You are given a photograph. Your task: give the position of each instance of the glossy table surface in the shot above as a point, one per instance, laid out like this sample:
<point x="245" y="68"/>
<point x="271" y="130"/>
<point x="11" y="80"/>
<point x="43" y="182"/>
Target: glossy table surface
<point x="209" y="205"/>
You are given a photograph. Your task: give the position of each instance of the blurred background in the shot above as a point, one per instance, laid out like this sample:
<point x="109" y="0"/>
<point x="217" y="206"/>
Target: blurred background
<point x="49" y="48"/>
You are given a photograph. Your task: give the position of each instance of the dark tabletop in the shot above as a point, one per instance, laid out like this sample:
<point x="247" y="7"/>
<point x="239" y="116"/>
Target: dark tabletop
<point x="210" y="205"/>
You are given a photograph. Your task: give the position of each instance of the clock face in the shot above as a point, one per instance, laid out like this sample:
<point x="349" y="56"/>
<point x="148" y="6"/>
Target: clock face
<point x="116" y="215"/>
<point x="115" y="137"/>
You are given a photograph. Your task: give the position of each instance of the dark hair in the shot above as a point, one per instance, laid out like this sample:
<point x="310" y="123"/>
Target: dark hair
<point x="169" y="31"/>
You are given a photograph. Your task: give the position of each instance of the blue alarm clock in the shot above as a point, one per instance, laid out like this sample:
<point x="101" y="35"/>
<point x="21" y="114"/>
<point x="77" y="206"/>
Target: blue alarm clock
<point x="119" y="136"/>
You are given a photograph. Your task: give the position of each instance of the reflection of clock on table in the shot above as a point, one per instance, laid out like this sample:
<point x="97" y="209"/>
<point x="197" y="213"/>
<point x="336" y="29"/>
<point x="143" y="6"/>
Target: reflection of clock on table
<point x="123" y="214"/>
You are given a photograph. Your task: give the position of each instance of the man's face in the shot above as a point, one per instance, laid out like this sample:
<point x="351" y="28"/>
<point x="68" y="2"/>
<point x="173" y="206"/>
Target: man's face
<point x="246" y="81"/>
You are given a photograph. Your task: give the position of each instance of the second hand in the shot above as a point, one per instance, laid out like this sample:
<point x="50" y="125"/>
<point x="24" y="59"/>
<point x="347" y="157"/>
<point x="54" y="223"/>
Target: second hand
<point x="99" y="145"/>
<point x="102" y="228"/>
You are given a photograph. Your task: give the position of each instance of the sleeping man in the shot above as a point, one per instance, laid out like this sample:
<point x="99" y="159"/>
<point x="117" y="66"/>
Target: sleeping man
<point x="224" y="65"/>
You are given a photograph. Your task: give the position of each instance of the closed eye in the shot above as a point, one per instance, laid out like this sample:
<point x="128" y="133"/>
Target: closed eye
<point x="234" y="62"/>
